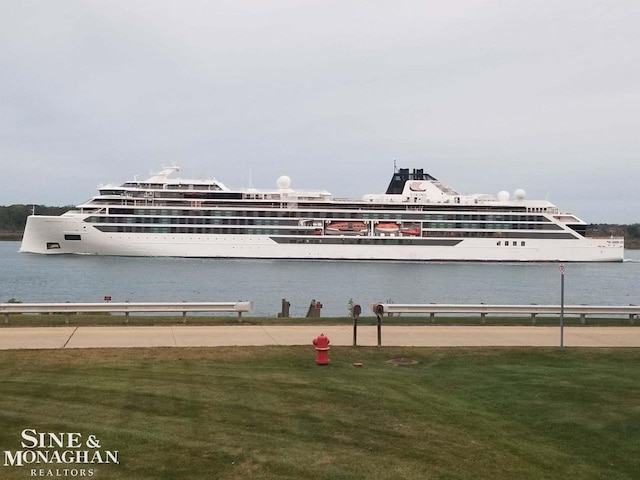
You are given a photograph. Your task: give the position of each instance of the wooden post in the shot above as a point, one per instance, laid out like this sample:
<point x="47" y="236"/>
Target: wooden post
<point x="379" y="311"/>
<point x="355" y="331"/>
<point x="357" y="310"/>
<point x="314" y="309"/>
<point x="284" y="311"/>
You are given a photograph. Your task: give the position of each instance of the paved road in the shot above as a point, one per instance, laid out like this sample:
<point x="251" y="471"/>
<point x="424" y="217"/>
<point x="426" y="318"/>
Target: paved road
<point x="204" y="336"/>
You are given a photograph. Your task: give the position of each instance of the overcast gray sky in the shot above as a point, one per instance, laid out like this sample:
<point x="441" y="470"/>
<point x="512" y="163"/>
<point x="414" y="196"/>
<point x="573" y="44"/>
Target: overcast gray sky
<point x="485" y="95"/>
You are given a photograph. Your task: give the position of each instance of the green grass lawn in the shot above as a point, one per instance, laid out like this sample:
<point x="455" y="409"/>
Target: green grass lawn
<point x="271" y="413"/>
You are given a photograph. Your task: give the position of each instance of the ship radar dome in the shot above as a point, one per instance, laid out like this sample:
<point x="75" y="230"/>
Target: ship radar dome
<point x="520" y="194"/>
<point x="503" y="196"/>
<point x="283" y="182"/>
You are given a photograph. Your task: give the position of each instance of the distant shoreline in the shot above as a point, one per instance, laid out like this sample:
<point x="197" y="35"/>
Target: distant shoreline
<point x="10" y="237"/>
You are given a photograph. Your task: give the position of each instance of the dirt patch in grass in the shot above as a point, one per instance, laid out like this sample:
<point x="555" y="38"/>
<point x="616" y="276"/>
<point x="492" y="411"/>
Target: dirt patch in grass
<point x="402" y="361"/>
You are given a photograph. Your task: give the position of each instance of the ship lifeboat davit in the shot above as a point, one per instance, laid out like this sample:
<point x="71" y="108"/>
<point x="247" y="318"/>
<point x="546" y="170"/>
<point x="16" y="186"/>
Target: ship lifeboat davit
<point x="387" y="227"/>
<point x="346" y="228"/>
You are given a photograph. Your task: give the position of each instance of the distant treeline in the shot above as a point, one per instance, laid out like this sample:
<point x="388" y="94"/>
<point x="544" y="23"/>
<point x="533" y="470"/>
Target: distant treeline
<point x="631" y="233"/>
<point x="14" y="217"/>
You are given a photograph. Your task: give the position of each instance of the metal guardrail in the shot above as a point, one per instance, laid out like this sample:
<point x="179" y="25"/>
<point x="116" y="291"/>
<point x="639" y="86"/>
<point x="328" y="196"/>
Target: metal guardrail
<point x="380" y="309"/>
<point x="484" y="309"/>
<point x="126" y="308"/>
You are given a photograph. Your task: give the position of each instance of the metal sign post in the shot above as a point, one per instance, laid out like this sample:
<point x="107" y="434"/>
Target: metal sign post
<point x="379" y="311"/>
<point x="561" y="306"/>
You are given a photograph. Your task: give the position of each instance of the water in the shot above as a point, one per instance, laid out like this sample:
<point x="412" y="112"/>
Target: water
<point x="53" y="278"/>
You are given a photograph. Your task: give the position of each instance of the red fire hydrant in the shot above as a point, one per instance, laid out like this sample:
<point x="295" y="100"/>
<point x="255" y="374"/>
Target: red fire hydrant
<point x="322" y="347"/>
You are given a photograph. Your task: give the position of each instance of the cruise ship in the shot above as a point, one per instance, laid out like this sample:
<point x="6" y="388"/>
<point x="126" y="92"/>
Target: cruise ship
<point x="418" y="218"/>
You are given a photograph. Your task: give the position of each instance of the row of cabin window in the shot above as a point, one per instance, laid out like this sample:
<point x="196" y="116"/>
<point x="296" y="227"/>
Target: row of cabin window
<point x="400" y="216"/>
<point x="289" y="222"/>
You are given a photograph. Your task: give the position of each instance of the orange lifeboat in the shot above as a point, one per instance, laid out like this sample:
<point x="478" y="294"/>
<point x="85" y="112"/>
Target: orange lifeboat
<point x="387" y="227"/>
<point x="346" y="228"/>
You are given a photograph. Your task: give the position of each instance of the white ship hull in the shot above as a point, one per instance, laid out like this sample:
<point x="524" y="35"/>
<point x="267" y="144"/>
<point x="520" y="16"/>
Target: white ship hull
<point x="69" y="234"/>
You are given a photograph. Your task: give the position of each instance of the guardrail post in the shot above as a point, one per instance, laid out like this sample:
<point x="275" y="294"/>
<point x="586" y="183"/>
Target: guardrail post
<point x="239" y="317"/>
<point x="533" y="318"/>
<point x="432" y="317"/>
<point x="66" y="318"/>
<point x="483" y="318"/>
<point x="126" y="317"/>
<point x="184" y="317"/>
<point x="6" y="318"/>
<point x="583" y="318"/>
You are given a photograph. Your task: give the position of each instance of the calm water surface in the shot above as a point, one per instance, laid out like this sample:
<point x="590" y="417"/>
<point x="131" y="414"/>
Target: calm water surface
<point x="73" y="278"/>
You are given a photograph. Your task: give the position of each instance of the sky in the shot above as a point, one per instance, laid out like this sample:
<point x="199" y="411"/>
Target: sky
<point x="485" y="95"/>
